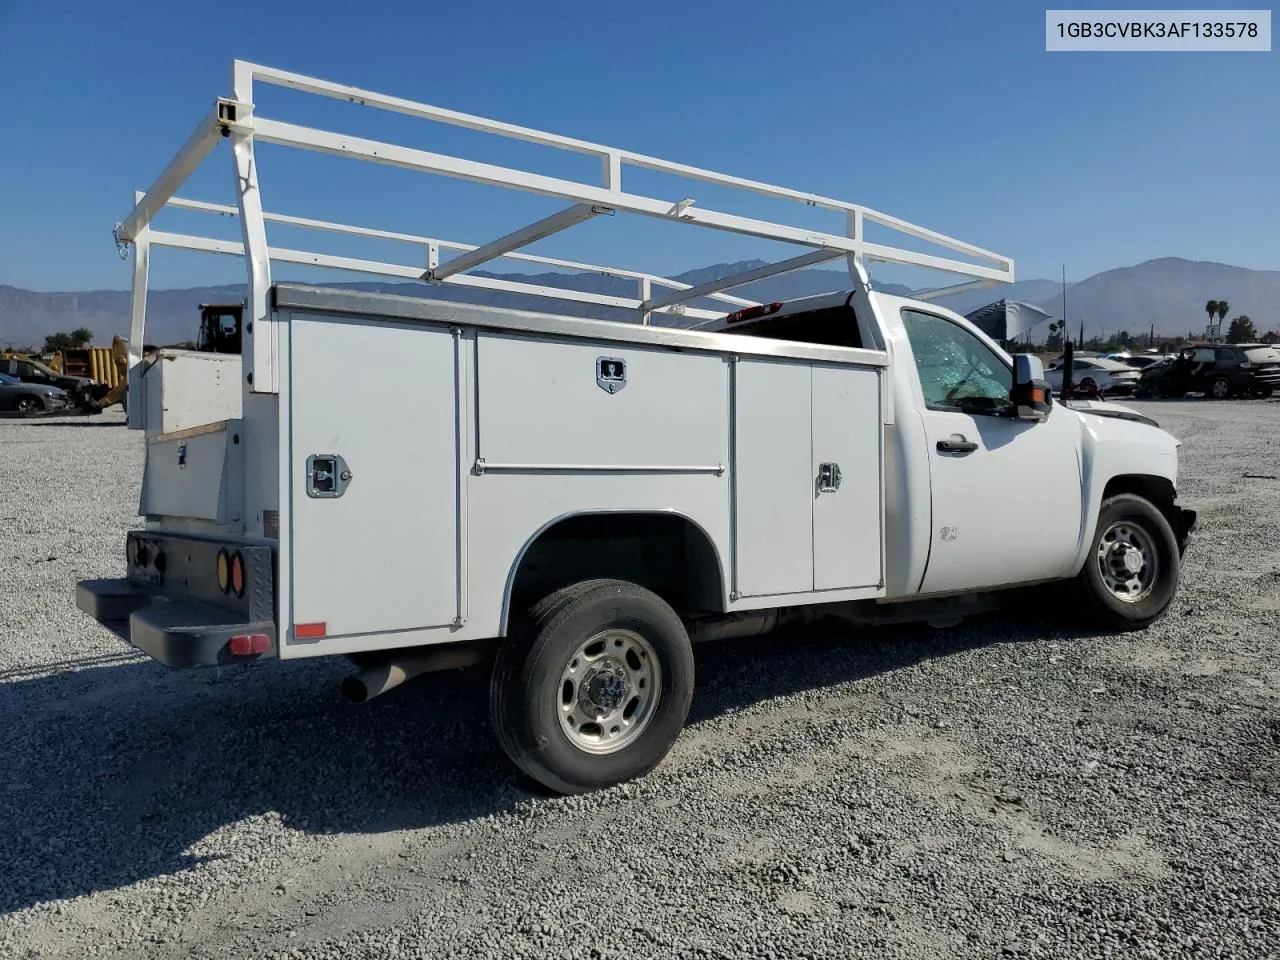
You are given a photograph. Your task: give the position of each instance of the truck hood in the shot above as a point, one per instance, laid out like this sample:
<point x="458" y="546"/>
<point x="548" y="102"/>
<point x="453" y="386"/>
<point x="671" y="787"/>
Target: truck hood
<point x="1104" y="408"/>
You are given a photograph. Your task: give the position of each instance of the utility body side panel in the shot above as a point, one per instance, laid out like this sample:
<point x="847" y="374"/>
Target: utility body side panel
<point x="544" y="402"/>
<point x="471" y="442"/>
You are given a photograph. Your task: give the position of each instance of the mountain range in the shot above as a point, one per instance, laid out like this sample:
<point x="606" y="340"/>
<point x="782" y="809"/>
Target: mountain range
<point x="1167" y="294"/>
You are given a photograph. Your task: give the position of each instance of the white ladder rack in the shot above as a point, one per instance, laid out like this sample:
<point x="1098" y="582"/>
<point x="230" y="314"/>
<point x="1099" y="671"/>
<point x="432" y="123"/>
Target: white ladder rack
<point x="235" y="118"/>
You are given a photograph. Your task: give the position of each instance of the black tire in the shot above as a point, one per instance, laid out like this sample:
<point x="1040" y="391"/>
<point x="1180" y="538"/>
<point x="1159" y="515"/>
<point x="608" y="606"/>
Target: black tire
<point x="526" y="689"/>
<point x="1220" y="389"/>
<point x="29" y="405"/>
<point x="1101" y="603"/>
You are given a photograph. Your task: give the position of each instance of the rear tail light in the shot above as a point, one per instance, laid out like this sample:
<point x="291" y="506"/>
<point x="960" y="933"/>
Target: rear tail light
<point x="249" y="644"/>
<point x="237" y="574"/>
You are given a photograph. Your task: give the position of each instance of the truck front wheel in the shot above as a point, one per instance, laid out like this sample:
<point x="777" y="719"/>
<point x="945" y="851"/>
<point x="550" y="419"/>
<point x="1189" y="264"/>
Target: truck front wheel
<point x="593" y="686"/>
<point x="1131" y="573"/>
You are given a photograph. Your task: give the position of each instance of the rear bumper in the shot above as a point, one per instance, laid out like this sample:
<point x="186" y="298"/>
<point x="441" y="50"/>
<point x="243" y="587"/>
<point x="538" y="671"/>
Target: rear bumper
<point x="179" y="633"/>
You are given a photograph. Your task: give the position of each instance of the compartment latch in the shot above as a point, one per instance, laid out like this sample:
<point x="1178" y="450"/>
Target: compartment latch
<point x="327" y="475"/>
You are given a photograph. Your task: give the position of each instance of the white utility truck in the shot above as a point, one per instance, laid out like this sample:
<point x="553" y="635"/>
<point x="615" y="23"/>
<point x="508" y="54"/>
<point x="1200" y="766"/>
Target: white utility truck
<point x="575" y="499"/>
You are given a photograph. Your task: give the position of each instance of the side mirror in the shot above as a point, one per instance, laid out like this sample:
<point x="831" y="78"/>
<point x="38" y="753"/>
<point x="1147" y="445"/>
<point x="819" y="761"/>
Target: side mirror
<point x="1030" y="393"/>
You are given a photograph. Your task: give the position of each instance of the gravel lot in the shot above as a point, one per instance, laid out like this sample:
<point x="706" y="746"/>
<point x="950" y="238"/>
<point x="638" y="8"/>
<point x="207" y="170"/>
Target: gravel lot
<point x="1009" y="787"/>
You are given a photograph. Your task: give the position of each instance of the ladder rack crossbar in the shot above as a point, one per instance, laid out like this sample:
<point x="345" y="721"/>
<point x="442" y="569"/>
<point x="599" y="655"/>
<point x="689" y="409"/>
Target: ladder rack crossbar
<point x="227" y="210"/>
<point x="327" y="261"/>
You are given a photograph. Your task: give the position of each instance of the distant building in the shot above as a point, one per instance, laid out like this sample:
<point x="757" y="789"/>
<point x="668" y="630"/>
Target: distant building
<point x="1272" y="338"/>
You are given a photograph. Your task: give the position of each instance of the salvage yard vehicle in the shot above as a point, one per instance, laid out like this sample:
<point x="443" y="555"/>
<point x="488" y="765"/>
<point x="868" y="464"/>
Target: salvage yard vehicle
<point x="1089" y="373"/>
<point x="1219" y="371"/>
<point x="30" y="399"/>
<point x="574" y="500"/>
<point x="84" y="393"/>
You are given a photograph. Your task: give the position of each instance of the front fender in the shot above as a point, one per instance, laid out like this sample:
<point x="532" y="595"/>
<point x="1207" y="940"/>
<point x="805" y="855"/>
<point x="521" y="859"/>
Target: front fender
<point x="1126" y="456"/>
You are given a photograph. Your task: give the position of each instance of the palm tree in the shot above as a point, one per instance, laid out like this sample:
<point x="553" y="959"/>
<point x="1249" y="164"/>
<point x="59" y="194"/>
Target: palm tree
<point x="1223" y="307"/>
<point x="1211" y="308"/>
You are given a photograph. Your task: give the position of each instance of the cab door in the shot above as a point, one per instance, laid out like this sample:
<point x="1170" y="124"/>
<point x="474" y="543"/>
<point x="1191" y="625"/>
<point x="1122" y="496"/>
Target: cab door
<point x="1005" y="493"/>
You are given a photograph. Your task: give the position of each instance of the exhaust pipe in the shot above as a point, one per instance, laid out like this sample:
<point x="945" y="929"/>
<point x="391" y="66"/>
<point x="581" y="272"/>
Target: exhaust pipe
<point x="405" y="665"/>
<point x="757" y="623"/>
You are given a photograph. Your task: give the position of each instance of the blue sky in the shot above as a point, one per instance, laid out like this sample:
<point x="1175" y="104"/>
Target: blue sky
<point x="949" y="115"/>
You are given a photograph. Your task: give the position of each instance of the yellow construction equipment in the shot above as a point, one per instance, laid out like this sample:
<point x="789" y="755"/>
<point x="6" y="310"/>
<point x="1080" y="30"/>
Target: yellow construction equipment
<point x="96" y="363"/>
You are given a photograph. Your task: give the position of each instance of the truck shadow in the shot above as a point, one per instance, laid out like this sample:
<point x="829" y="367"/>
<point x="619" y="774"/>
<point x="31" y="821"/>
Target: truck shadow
<point x="120" y="772"/>
<point x="38" y="422"/>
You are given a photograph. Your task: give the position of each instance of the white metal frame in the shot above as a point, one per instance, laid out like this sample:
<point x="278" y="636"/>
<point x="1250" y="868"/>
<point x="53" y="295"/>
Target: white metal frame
<point x="235" y="118"/>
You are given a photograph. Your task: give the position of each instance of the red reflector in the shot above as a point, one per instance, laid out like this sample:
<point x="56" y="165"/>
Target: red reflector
<point x="249" y="643"/>
<point x="308" y="631"/>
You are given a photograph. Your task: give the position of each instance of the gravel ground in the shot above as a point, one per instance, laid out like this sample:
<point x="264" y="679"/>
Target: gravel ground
<point x="1009" y="787"/>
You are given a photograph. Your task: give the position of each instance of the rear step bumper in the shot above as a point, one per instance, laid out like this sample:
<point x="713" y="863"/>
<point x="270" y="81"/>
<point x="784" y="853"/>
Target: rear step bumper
<point x="179" y="633"/>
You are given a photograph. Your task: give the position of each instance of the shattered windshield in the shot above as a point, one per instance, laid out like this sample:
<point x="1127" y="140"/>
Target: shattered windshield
<point x="957" y="370"/>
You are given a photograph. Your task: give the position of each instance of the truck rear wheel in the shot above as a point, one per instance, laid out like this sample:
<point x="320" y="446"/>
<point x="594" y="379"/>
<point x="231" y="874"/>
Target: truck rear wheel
<point x="593" y="686"/>
<point x="1132" y="569"/>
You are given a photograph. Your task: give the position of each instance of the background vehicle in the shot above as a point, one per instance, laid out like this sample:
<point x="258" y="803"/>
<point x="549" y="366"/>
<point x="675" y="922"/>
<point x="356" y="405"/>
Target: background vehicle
<point x="1136" y="361"/>
<point x="220" y="327"/>
<point x="1218" y="371"/>
<point x="1108" y="376"/>
<point x="30" y="398"/>
<point x="575" y="501"/>
<point x="83" y="391"/>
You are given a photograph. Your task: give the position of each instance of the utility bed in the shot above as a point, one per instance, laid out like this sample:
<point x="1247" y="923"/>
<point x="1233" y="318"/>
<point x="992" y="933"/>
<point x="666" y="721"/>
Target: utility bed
<point x="490" y="426"/>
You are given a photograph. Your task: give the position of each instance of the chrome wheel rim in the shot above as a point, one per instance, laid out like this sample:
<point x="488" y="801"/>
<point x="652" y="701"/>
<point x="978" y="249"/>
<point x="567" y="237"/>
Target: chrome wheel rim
<point x="1127" y="561"/>
<point x="1220" y="388"/>
<point x="608" y="691"/>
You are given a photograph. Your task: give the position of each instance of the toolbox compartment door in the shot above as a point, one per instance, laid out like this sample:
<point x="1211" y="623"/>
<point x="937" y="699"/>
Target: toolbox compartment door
<point x="375" y="552"/>
<point x="808" y="478"/>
